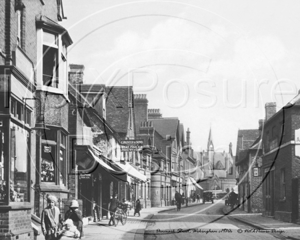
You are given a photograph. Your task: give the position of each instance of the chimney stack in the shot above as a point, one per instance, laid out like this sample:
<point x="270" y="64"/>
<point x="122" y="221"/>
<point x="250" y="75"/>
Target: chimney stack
<point x="76" y="74"/>
<point x="270" y="110"/>
<point x="260" y="125"/>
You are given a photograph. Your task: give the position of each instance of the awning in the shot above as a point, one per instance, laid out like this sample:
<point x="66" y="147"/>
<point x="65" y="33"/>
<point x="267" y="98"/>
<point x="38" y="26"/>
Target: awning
<point x="195" y="183"/>
<point x="127" y="168"/>
<point x="101" y="162"/>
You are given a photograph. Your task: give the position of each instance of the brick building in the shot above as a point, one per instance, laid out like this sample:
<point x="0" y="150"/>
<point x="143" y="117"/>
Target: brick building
<point x="248" y="161"/>
<point x="281" y="161"/>
<point x="34" y="113"/>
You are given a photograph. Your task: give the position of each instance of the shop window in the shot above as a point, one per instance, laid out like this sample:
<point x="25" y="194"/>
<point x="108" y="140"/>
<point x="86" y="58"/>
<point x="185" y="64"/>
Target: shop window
<point x="20" y="154"/>
<point x="62" y="160"/>
<point x="3" y="189"/>
<point x="54" y="170"/>
<point x="48" y="163"/>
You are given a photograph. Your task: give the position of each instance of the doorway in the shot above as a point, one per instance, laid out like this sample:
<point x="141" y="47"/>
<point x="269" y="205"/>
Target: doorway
<point x="269" y="192"/>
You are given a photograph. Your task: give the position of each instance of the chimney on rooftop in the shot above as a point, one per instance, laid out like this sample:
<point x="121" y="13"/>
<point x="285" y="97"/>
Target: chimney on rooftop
<point x="154" y="113"/>
<point x="270" y="110"/>
<point x="76" y="74"/>
<point x="260" y="125"/>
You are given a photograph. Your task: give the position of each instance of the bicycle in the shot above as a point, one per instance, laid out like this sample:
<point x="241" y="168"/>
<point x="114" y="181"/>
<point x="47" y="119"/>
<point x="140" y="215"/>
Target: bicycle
<point x="120" y="215"/>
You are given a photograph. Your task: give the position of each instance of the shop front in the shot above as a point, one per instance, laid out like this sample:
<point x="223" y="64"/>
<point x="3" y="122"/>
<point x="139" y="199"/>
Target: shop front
<point x="98" y="180"/>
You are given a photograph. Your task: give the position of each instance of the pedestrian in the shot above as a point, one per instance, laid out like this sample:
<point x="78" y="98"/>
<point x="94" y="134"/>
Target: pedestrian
<point x="198" y="198"/>
<point x="178" y="200"/>
<point x="50" y="219"/>
<point x="96" y="212"/>
<point x="138" y="207"/>
<point x="112" y="207"/>
<point x="69" y="230"/>
<point x="76" y="216"/>
<point x="232" y="199"/>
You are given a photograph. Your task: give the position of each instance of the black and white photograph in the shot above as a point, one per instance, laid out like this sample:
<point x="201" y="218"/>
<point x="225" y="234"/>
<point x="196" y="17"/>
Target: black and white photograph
<point x="149" y="119"/>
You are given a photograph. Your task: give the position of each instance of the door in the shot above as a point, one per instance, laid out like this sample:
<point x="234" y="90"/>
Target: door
<point x="295" y="200"/>
<point x="269" y="192"/>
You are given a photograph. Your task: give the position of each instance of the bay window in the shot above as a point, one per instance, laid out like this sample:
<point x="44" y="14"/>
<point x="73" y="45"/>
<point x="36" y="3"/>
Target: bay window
<point x="52" y="43"/>
<point x="54" y="159"/>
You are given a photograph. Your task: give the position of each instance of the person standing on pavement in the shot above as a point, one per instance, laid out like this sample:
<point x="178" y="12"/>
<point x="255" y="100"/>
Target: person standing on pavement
<point x="198" y="198"/>
<point x="232" y="199"/>
<point x="112" y="207"/>
<point x="76" y="216"/>
<point x="138" y="207"/>
<point x="178" y="200"/>
<point x="50" y="219"/>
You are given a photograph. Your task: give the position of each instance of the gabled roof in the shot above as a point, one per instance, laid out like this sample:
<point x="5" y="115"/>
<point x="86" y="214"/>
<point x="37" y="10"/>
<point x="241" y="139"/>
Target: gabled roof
<point x="166" y="126"/>
<point x="118" y="102"/>
<point x="246" y="138"/>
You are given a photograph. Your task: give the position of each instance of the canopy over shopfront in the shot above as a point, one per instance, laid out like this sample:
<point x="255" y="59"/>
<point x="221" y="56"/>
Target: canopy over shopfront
<point x="195" y="183"/>
<point x="132" y="172"/>
<point x="88" y="162"/>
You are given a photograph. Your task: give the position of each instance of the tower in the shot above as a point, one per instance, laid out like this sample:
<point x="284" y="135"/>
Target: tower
<point x="210" y="148"/>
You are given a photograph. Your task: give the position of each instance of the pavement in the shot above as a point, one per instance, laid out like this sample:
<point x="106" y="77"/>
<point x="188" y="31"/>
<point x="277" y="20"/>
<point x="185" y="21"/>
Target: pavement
<point x="134" y="229"/>
<point x="260" y="222"/>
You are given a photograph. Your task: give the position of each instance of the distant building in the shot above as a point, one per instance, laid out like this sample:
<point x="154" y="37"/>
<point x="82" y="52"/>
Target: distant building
<point x="218" y="167"/>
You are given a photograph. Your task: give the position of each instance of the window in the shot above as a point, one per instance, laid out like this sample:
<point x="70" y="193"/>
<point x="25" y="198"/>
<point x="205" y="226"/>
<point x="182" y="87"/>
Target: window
<point x="3" y="149"/>
<point x="52" y="43"/>
<point x="50" y="59"/>
<point x="19" y="27"/>
<point x="62" y="159"/>
<point x="54" y="170"/>
<point x="282" y="184"/>
<point x="19" y="111"/>
<point x="19" y="167"/>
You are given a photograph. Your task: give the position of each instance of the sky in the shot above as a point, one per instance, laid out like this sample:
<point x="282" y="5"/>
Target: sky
<point x="213" y="64"/>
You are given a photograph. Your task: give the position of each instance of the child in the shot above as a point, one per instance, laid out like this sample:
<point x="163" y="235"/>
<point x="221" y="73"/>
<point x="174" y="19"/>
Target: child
<point x="69" y="230"/>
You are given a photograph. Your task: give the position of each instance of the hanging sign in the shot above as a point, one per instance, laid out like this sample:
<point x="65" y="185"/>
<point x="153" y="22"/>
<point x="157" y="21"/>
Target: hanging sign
<point x="255" y="172"/>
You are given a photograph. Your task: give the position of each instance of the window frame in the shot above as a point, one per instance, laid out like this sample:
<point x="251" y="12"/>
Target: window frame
<point x="56" y="141"/>
<point x="62" y="62"/>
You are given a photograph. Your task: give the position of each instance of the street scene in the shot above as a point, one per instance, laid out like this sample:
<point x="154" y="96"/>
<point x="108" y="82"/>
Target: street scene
<point x="149" y="119"/>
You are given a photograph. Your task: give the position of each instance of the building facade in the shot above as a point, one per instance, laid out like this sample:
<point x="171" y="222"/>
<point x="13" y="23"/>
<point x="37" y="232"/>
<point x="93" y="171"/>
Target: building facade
<point x="281" y="162"/>
<point x="34" y="128"/>
<point x="248" y="162"/>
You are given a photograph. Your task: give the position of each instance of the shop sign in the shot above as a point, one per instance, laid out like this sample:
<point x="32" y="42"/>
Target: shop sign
<point x="85" y="176"/>
<point x="131" y="145"/>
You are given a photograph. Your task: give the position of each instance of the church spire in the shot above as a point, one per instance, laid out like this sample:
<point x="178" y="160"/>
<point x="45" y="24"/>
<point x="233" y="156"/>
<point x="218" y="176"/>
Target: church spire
<point x="210" y="144"/>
